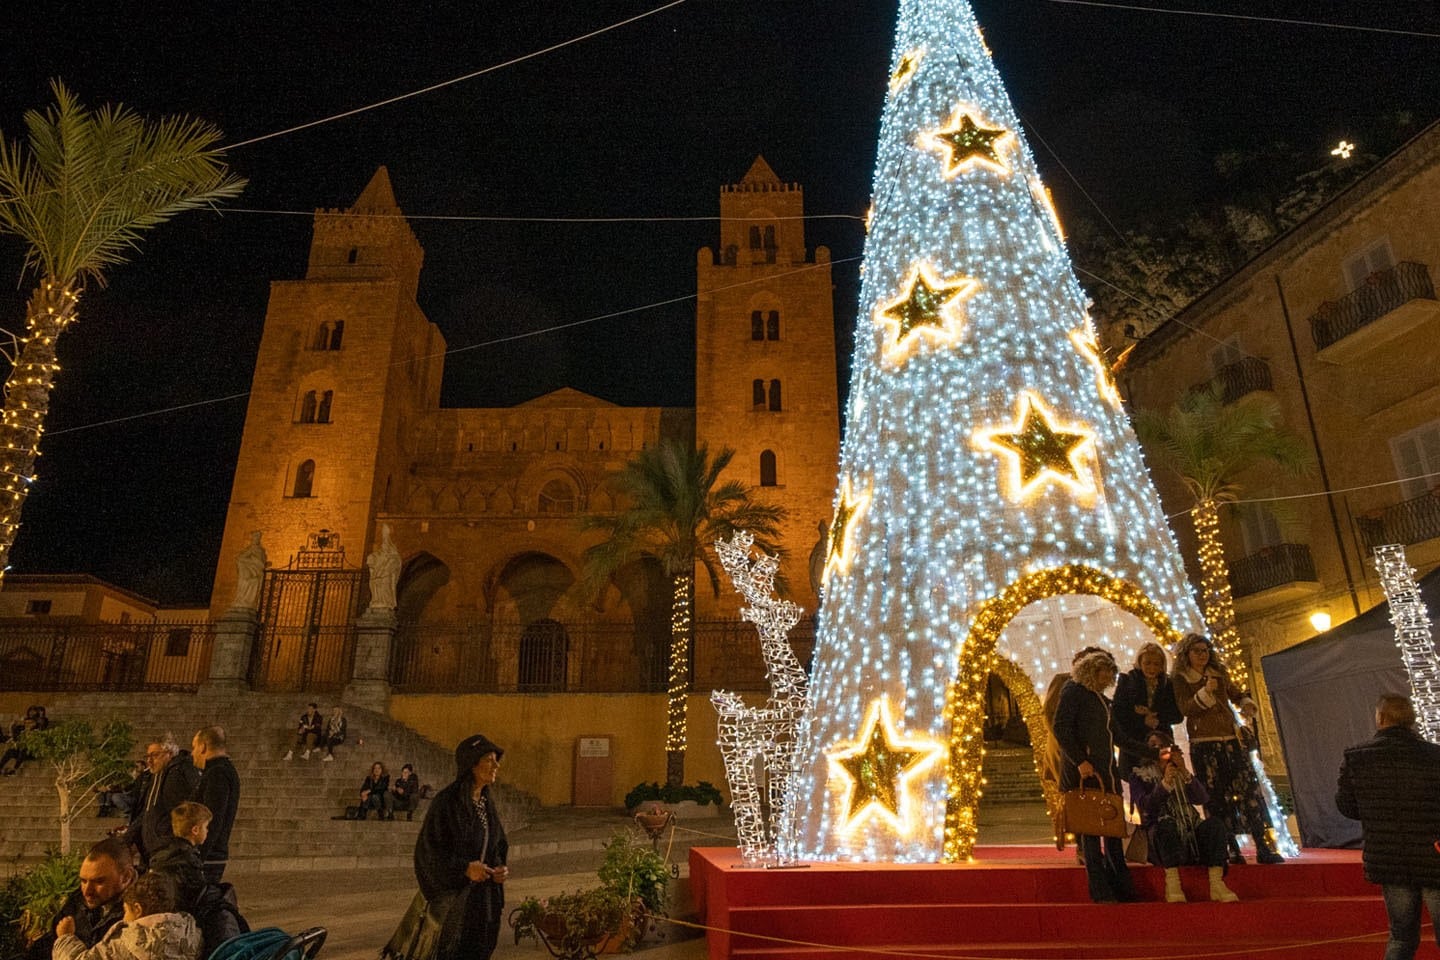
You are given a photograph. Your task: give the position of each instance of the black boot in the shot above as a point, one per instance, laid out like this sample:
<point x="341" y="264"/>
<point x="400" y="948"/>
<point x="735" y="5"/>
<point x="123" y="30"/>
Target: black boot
<point x="1265" y="851"/>
<point x="364" y="814"/>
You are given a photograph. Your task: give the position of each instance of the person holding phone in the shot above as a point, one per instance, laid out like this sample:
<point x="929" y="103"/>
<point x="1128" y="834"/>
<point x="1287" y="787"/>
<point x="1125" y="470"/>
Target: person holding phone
<point x="1166" y="793"/>
<point x="1205" y="693"/>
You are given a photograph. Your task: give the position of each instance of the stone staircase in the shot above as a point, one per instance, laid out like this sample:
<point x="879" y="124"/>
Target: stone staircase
<point x="285" y="819"/>
<point x="1010" y="775"/>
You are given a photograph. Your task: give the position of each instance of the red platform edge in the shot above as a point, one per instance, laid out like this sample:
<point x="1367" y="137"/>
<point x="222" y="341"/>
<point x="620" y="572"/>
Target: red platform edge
<point x="1032" y="901"/>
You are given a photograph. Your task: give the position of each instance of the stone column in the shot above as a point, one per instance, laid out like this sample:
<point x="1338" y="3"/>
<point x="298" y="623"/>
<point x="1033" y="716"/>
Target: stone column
<point x="369" y="685"/>
<point x="235" y="633"/>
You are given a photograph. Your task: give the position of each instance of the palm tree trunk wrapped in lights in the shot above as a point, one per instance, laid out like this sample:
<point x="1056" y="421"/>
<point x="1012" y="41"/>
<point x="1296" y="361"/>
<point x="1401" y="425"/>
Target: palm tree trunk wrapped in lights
<point x="677" y="686"/>
<point x="79" y="193"/>
<point x="1215" y="599"/>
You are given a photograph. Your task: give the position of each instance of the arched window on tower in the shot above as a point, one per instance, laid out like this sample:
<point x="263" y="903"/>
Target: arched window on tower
<point x="304" y="480"/>
<point x="757" y="325"/>
<point x="767" y="468"/>
<point x="772" y="326"/>
<point x="353" y="255"/>
<point x="322" y="337"/>
<point x="337" y="333"/>
<point x="307" y="407"/>
<point x="322" y="411"/>
<point x="757" y="394"/>
<point x="770" y="247"/>
<point x="774" y="394"/>
<point x="754" y="238"/>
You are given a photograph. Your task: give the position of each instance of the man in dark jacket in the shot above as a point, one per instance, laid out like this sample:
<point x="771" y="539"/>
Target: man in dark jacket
<point x="173" y="780"/>
<point x="105" y="874"/>
<point x="219" y="791"/>
<point x="1392" y="786"/>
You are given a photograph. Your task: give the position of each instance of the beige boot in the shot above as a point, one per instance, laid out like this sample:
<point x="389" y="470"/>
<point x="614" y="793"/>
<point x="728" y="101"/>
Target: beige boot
<point x="1173" y="892"/>
<point x="1218" y="891"/>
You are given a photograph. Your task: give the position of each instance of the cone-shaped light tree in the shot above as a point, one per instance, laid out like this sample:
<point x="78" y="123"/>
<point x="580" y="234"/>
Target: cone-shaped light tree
<point x="987" y="469"/>
<point x="79" y="192"/>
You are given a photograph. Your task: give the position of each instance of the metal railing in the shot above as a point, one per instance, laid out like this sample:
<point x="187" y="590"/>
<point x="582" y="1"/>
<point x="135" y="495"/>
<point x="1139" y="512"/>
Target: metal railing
<point x="1235" y="380"/>
<point x="1272" y="567"/>
<point x="1409" y="521"/>
<point x="105" y="656"/>
<point x="1377" y="295"/>
<point x="575" y="657"/>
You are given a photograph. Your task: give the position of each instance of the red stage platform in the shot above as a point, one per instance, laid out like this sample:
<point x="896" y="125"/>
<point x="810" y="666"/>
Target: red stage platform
<point x="1021" y="902"/>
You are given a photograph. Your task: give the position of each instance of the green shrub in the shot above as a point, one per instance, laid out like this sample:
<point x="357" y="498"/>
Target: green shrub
<point x="703" y="793"/>
<point x="30" y="900"/>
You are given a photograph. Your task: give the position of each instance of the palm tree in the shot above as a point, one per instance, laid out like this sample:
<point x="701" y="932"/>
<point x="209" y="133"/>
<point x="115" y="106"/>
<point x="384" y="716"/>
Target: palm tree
<point x="79" y="193"/>
<point x="1208" y="444"/>
<point x="673" y="505"/>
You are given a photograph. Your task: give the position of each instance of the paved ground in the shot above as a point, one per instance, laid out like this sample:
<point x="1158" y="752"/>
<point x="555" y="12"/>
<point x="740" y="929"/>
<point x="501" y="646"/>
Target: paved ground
<point x="559" y="851"/>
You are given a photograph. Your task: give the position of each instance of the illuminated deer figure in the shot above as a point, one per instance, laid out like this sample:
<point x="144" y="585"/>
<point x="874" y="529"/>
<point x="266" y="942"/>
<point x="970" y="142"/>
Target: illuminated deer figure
<point x="764" y="737"/>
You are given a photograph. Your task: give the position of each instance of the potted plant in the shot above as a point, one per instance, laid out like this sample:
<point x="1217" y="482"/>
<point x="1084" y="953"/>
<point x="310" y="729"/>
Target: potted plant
<point x="634" y="871"/>
<point x="572" y="926"/>
<point x="680" y="798"/>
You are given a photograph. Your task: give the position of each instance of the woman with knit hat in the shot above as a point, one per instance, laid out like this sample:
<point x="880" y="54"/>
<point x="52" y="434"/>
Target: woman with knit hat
<point x="460" y="856"/>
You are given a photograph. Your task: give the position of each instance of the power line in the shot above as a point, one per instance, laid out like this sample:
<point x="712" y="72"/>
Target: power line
<point x="485" y="218"/>
<point x="1251" y="17"/>
<point x="454" y="80"/>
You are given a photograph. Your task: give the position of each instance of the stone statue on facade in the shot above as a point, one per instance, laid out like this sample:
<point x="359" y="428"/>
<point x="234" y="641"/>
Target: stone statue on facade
<point x="249" y="572"/>
<point x="384" y="564"/>
<point x="818" y="555"/>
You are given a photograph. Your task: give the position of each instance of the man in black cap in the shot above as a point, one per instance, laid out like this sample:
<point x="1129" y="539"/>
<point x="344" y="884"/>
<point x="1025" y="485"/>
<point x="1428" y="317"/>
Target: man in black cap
<point x="460" y="855"/>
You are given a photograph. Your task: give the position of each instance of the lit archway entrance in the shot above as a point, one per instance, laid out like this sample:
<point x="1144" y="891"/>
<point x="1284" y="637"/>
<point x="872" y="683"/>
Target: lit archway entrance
<point x="965" y="698"/>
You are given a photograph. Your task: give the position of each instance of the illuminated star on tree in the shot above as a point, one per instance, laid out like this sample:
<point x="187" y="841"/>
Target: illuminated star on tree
<point x="909" y="63"/>
<point x="968" y="143"/>
<point x="1038" y="449"/>
<point x="837" y="554"/>
<point x="877" y="764"/>
<point x="928" y="305"/>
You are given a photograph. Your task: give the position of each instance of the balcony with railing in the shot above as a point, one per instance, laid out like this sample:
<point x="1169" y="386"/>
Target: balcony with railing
<point x="1385" y="305"/>
<point x="1274" y="573"/>
<point x="1408" y="522"/>
<point x="1235" y="380"/>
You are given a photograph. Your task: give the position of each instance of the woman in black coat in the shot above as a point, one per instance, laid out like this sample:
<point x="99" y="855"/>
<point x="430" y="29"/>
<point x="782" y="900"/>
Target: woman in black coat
<point x="460" y="856"/>
<point x="1145" y="703"/>
<point x="1085" y="734"/>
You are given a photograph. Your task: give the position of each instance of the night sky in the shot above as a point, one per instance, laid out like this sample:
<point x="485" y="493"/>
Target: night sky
<point x="645" y="121"/>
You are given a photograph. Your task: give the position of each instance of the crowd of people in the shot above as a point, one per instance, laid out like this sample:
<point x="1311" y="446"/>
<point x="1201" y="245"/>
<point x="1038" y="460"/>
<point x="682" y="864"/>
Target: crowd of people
<point x="153" y="888"/>
<point x="1128" y="743"/>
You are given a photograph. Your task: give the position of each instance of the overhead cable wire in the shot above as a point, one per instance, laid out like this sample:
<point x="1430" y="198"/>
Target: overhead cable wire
<point x="1294" y="22"/>
<point x="486" y="218"/>
<point x="454" y="80"/>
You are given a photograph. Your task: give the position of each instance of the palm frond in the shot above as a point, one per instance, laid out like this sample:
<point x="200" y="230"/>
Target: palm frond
<point x="84" y="187"/>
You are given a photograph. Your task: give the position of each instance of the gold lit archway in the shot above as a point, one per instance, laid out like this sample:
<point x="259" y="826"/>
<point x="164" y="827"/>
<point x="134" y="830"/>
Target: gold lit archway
<point x="964" y="700"/>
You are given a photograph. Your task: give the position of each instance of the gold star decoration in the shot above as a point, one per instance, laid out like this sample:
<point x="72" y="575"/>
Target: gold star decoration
<point x="839" y="549"/>
<point x="1089" y="347"/>
<point x="1040" y="451"/>
<point x="928" y="306"/>
<point x="877" y="765"/>
<point x="905" y="69"/>
<point x="967" y="142"/>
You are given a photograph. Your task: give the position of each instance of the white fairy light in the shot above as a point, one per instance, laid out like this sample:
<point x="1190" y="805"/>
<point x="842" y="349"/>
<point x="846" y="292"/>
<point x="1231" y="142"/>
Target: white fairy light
<point x="1412" y="635"/>
<point x="761" y="736"/>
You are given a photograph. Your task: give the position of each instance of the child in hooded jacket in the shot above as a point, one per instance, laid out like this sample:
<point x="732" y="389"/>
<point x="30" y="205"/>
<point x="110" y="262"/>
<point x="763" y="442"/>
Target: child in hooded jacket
<point x="151" y="930"/>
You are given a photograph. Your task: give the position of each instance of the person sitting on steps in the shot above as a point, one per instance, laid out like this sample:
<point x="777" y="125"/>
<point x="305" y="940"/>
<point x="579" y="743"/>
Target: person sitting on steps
<point x="334" y="732"/>
<point x="308" y="734"/>
<point x="405" y="792"/>
<point x="375" y="793"/>
<point x="1166" y="793"/>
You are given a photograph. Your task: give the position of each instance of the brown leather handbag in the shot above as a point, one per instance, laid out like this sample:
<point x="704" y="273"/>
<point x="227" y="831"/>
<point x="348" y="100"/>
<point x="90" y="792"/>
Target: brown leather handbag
<point x="1093" y="812"/>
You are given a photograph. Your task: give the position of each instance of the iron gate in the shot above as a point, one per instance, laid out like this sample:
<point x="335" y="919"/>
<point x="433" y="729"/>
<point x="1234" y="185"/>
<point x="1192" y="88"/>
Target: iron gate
<point x="307" y="636"/>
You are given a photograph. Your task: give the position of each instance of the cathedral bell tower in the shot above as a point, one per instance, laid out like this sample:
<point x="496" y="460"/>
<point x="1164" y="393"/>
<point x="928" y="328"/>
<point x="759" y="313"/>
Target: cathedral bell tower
<point x="765" y="360"/>
<point x="347" y="361"/>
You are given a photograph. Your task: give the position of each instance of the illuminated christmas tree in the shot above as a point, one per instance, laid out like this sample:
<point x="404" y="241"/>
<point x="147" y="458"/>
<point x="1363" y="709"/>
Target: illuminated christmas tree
<point x="993" y="512"/>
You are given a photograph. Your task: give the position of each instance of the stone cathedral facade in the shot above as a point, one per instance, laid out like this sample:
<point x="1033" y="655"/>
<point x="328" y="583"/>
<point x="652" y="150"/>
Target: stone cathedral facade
<point x="345" y="435"/>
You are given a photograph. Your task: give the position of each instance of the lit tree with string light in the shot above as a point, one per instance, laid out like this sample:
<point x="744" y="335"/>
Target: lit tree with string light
<point x="988" y="472"/>
<point x="79" y="193"/>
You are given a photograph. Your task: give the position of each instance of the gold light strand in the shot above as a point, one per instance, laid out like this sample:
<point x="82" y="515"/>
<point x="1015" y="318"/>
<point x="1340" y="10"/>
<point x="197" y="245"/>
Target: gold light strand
<point x="27" y="400"/>
<point x="1215" y="599"/>
<point x="965" y="698"/>
<point x="679" y="679"/>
